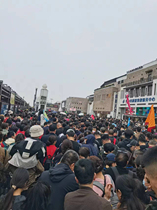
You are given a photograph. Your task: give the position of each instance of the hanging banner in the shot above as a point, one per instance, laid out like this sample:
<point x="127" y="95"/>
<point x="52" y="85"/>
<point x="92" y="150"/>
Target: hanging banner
<point x="127" y="101"/>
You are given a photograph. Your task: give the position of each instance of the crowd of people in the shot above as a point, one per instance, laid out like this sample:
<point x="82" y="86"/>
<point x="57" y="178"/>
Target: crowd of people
<point x="76" y="162"/>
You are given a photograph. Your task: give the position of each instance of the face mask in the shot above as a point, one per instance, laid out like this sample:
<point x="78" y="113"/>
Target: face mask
<point x="144" y="184"/>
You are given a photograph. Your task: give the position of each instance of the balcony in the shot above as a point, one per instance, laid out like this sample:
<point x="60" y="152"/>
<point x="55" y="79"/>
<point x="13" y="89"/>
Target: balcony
<point x="139" y="82"/>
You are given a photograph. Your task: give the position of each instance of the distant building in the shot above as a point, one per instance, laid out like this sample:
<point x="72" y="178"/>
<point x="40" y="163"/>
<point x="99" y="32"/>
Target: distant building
<point x="106" y="96"/>
<point x="42" y="99"/>
<point x="75" y="104"/>
<point x="54" y="107"/>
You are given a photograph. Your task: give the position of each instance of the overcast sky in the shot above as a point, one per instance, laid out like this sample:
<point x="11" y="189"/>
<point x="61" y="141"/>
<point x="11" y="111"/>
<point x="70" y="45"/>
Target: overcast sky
<point x="73" y="45"/>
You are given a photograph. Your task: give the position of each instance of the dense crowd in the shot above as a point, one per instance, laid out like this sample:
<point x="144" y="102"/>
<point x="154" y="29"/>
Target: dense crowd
<point x="72" y="162"/>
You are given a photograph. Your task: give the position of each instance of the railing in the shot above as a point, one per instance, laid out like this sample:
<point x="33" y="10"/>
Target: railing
<point x="141" y="81"/>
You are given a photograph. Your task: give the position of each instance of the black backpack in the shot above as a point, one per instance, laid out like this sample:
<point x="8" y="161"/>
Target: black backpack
<point x="48" y="162"/>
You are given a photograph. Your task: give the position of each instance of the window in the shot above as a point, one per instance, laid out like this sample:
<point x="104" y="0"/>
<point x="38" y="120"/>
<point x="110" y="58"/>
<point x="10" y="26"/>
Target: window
<point x="122" y="81"/>
<point x="149" y="90"/>
<point x="118" y="82"/>
<point x="137" y="94"/>
<point x="149" y="77"/>
<point x="155" y="89"/>
<point x="143" y="91"/>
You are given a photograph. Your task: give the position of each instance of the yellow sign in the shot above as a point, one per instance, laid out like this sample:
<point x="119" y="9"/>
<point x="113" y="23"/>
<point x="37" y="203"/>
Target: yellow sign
<point x="12" y="99"/>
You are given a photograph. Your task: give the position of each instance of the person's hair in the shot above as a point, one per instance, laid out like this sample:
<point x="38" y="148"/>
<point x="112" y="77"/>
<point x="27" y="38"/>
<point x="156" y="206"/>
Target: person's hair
<point x="4" y="125"/>
<point x="102" y="129"/>
<point x="19" y="180"/>
<point x="154" y="136"/>
<point x="142" y="138"/>
<point x="70" y="133"/>
<point x="109" y="147"/>
<point x="122" y="158"/>
<point x="52" y="128"/>
<point x="87" y="132"/>
<point x="98" y="164"/>
<point x="66" y="145"/>
<point x="19" y="137"/>
<point x="105" y="137"/>
<point x="96" y="133"/>
<point x="45" y="123"/>
<point x="128" y="133"/>
<point x="9" y="121"/>
<point x="27" y="133"/>
<point x="129" y="199"/>
<point x="38" y="196"/>
<point x="111" y="132"/>
<point x="84" y="171"/>
<point x="10" y="134"/>
<point x="1" y="118"/>
<point x="52" y="139"/>
<point x="70" y="157"/>
<point x="84" y="152"/>
<point x="149" y="135"/>
<point x="138" y="129"/>
<point x="152" y="142"/>
<point x="150" y="160"/>
<point x="139" y="168"/>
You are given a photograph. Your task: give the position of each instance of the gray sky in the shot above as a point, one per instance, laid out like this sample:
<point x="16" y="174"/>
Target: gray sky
<point x="73" y="45"/>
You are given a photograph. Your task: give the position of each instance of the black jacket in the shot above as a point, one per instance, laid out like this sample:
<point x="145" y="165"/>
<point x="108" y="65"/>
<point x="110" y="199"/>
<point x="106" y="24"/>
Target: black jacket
<point x="124" y="143"/>
<point x="62" y="181"/>
<point x="18" y="202"/>
<point x="45" y="138"/>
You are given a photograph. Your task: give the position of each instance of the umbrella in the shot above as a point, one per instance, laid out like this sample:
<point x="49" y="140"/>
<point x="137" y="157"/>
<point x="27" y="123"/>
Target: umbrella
<point x="81" y="114"/>
<point x="63" y="113"/>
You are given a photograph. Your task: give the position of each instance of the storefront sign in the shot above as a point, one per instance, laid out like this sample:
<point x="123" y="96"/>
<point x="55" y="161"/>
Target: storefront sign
<point x="12" y="99"/>
<point x="140" y="100"/>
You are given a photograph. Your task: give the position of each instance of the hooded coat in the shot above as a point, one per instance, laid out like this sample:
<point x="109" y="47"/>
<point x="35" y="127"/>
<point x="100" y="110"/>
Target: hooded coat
<point x="62" y="181"/>
<point x="90" y="145"/>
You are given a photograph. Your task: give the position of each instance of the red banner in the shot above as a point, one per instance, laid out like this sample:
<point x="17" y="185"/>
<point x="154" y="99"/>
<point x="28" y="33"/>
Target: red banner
<point x="128" y="102"/>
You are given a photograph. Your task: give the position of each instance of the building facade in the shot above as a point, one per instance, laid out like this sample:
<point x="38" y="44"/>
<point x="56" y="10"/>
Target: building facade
<point x="105" y="97"/>
<point x="141" y="85"/>
<point x="75" y="104"/>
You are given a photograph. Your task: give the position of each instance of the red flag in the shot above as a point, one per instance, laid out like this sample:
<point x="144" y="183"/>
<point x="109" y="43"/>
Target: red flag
<point x="128" y="102"/>
<point x="92" y="116"/>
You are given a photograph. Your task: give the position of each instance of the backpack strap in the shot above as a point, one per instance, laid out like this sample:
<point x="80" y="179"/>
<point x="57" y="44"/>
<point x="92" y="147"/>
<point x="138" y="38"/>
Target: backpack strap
<point x="99" y="185"/>
<point x="115" y="171"/>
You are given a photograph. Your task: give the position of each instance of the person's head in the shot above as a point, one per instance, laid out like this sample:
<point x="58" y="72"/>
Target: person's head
<point x="111" y="132"/>
<point x="110" y="160"/>
<point x="45" y="124"/>
<point x="84" y="171"/>
<point x="97" y="135"/>
<point x="59" y="125"/>
<point x="150" y="165"/>
<point x="155" y="137"/>
<point x="36" y="131"/>
<point x="126" y="189"/>
<point x="142" y="140"/>
<point x="52" y="128"/>
<point x="66" y="145"/>
<point x="105" y="139"/>
<point x="152" y="143"/>
<point x="108" y="148"/>
<point x="98" y="164"/>
<point x="84" y="153"/>
<point x="129" y="134"/>
<point x="138" y="129"/>
<point x="51" y="141"/>
<point x="70" y="134"/>
<point x="38" y="196"/>
<point x="2" y="118"/>
<point x="139" y="167"/>
<point x="102" y="130"/>
<point x="70" y="158"/>
<point x="20" y="137"/>
<point x="5" y="126"/>
<point x="149" y="136"/>
<point x="19" y="181"/>
<point x="132" y="145"/>
<point x="11" y="134"/>
<point x="27" y="133"/>
<point x="122" y="158"/>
